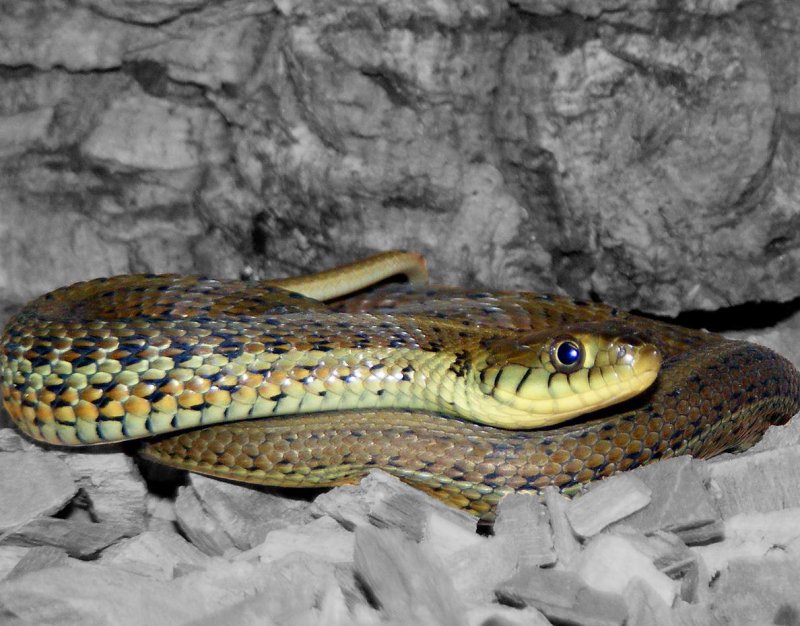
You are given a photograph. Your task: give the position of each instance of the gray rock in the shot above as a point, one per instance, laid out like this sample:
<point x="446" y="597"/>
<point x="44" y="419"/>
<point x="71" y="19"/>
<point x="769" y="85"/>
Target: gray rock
<point x="511" y="158"/>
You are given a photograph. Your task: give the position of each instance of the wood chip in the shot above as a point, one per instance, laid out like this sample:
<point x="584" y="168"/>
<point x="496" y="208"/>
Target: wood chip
<point x="113" y="484"/>
<point x="161" y="513"/>
<point x="324" y="537"/>
<point x="10" y="439"/>
<point x="565" y="543"/>
<point x="758" y="591"/>
<point x="664" y="549"/>
<point x="246" y="513"/>
<point x="34" y="484"/>
<point x="563" y="597"/>
<point x="478" y="569"/>
<point x="446" y="537"/>
<point x="606" y="502"/>
<point x="780" y="436"/>
<point x="385" y="501"/>
<point x="672" y="557"/>
<point x="200" y="528"/>
<point x="756" y="481"/>
<point x="10" y="556"/>
<point x="679" y="501"/>
<point x="409" y="584"/>
<point x="39" y="558"/>
<point x="685" y="614"/>
<point x="157" y="555"/>
<point x="78" y="538"/>
<point x="292" y="591"/>
<point x="525" y="523"/>
<point x="751" y="535"/>
<point x="219" y="516"/>
<point x="645" y="606"/>
<point x="609" y="562"/>
<point x="702" y="535"/>
<point x="506" y="616"/>
<point x="87" y="593"/>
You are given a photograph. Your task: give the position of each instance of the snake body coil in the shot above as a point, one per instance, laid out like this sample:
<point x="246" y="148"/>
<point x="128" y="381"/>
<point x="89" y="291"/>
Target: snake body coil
<point x="140" y="355"/>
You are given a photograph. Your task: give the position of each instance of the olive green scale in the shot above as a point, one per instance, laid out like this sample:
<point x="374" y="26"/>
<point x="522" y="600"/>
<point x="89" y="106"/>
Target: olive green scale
<point x="134" y="356"/>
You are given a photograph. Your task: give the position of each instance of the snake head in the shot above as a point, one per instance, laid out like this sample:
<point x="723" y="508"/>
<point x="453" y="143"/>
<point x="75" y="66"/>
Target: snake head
<point x="539" y="379"/>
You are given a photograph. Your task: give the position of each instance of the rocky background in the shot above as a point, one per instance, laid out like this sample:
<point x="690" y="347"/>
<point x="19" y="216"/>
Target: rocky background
<point x="639" y="152"/>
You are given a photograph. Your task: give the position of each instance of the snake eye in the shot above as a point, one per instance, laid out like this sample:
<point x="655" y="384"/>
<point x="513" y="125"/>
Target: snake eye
<point x="566" y="355"/>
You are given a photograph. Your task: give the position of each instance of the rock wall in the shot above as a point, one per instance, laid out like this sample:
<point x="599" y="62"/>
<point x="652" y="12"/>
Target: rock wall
<point x="642" y="152"/>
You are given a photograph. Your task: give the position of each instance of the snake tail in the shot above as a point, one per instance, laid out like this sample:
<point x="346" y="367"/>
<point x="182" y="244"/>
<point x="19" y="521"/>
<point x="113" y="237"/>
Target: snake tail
<point x="348" y="279"/>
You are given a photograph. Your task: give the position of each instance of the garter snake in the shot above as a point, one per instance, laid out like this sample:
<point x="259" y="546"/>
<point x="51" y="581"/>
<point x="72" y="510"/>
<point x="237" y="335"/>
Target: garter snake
<point x="135" y="356"/>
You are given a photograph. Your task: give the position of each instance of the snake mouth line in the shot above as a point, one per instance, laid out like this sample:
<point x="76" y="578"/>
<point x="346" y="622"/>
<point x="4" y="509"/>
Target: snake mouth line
<point x="514" y="396"/>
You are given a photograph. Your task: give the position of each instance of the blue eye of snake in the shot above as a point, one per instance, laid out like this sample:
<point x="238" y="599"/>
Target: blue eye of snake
<point x="568" y="353"/>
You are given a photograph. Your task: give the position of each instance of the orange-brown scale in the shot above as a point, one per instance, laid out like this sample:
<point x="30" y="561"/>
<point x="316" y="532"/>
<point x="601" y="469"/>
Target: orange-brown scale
<point x="143" y="320"/>
<point x="519" y="311"/>
<point x="711" y="395"/>
<point x="722" y="400"/>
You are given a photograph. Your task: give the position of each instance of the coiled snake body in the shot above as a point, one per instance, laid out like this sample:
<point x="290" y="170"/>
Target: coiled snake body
<point x="396" y="379"/>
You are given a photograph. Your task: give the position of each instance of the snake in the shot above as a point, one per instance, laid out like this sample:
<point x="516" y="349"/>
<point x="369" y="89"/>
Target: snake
<point x="313" y="381"/>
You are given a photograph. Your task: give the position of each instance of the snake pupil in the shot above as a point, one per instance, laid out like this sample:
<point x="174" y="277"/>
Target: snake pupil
<point x="568" y="353"/>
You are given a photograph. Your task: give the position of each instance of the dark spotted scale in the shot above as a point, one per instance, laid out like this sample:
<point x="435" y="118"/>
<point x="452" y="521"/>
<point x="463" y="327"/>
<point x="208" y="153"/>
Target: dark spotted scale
<point x="134" y="356"/>
<point x="712" y="395"/>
